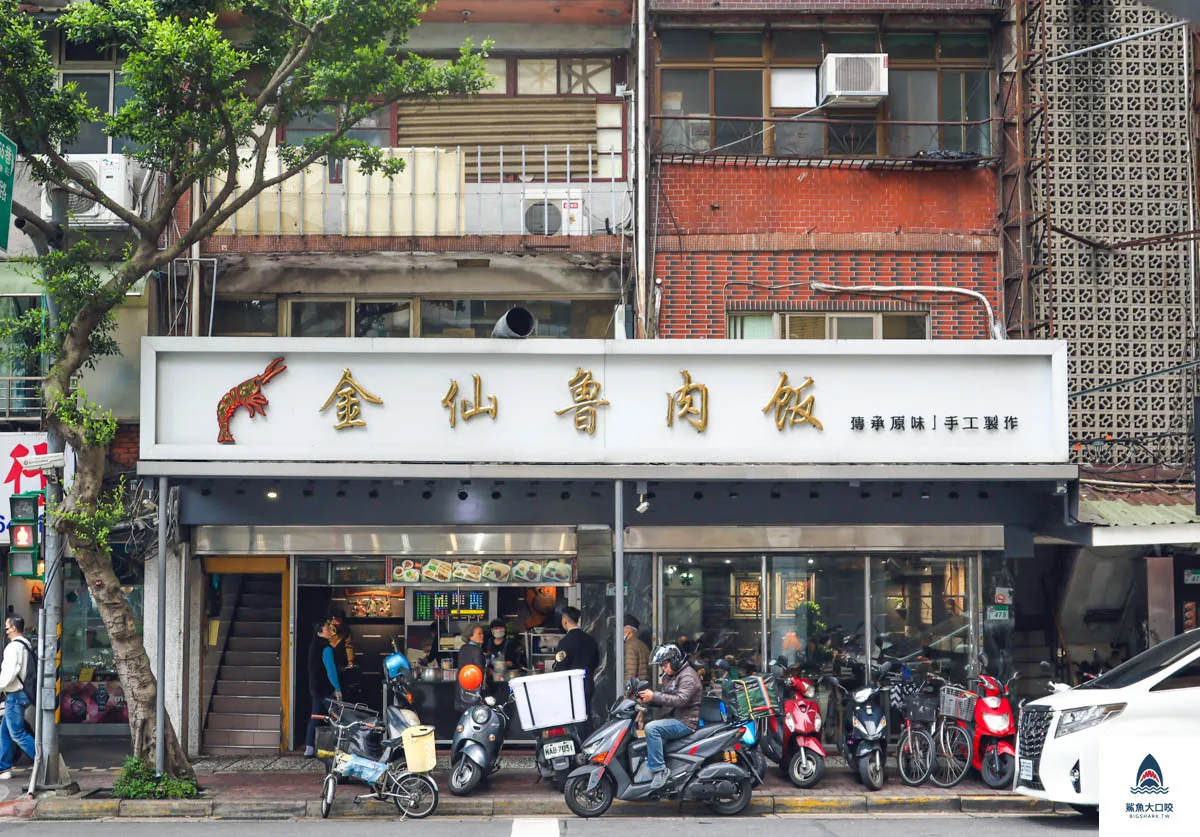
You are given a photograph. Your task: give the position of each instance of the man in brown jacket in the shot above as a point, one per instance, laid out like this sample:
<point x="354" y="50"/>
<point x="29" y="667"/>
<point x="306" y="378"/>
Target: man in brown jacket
<point x="680" y="691"/>
<point x="637" y="653"/>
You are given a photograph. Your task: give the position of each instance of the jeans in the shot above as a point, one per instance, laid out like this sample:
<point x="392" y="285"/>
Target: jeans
<point x="13" y="731"/>
<point x="668" y="729"/>
<point x="320" y="705"/>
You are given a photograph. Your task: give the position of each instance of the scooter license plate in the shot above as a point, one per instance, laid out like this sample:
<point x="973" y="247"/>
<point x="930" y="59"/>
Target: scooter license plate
<point x="558" y="748"/>
<point x="1026" y="770"/>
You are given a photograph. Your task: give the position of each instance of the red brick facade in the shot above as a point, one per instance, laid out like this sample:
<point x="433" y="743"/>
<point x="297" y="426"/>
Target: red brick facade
<point x="818" y="6"/>
<point x="123" y="452"/>
<point x="743" y="238"/>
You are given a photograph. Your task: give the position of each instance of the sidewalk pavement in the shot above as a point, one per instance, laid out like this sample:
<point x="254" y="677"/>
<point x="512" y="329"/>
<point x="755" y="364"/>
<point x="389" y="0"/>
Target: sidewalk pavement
<point x="288" y="786"/>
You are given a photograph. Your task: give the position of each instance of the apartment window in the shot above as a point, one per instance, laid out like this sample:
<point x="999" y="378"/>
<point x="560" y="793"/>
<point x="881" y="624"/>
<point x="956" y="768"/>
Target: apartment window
<point x="105" y="91"/>
<point x="375" y="130"/>
<point x="939" y="78"/>
<point x="849" y="325"/>
<point x="340" y="317"/>
<point x="934" y="77"/>
<point x="556" y="318"/>
<point x="245" y="317"/>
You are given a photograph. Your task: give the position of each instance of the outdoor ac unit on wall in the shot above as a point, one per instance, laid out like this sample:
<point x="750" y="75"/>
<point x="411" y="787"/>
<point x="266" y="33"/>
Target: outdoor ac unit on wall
<point x="555" y="212"/>
<point x="114" y="174"/>
<point x="854" y="80"/>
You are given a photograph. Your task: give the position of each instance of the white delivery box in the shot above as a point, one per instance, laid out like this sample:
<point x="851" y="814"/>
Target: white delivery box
<point x="550" y="700"/>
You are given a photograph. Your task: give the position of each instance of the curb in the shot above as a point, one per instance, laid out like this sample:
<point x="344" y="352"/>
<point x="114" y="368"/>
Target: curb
<point x="259" y="809"/>
<point x="913" y="804"/>
<point x="166" y="808"/>
<point x="848" y="804"/>
<point x="1004" y="804"/>
<point x="76" y="808"/>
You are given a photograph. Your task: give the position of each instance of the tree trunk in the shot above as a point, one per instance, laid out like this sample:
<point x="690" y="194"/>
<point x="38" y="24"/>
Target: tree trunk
<point x="129" y="651"/>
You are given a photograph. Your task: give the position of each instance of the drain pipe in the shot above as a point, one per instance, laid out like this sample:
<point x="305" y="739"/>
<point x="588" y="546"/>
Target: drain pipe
<point x="994" y="330"/>
<point x="642" y="174"/>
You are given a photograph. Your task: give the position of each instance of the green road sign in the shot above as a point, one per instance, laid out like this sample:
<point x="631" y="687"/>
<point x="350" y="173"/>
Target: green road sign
<point x="8" y="170"/>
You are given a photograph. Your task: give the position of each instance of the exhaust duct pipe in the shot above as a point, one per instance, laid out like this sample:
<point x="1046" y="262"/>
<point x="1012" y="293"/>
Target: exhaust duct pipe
<point x="516" y="324"/>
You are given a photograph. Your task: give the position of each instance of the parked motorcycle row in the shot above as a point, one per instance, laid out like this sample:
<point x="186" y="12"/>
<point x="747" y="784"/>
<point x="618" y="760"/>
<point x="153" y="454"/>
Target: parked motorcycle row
<point x="942" y="731"/>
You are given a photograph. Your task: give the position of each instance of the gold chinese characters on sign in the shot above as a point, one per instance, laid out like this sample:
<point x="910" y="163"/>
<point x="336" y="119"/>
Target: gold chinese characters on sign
<point x="689" y="402"/>
<point x="790" y="405"/>
<point x="470" y="409"/>
<point x="349" y="395"/>
<point x="585" y="393"/>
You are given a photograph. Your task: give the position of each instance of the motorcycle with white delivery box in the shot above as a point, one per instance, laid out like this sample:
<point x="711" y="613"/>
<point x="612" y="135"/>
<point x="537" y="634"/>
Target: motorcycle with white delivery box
<point x="1152" y="695"/>
<point x="553" y="705"/>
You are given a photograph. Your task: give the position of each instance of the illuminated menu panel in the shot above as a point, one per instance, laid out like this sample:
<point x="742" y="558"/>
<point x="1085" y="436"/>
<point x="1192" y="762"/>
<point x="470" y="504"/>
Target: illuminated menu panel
<point x="429" y="606"/>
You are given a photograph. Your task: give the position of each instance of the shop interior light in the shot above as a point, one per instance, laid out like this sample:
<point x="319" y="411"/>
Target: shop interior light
<point x="496" y="495"/>
<point x="462" y="494"/>
<point x="272" y="493"/>
<point x="566" y="495"/>
<point x="373" y="493"/>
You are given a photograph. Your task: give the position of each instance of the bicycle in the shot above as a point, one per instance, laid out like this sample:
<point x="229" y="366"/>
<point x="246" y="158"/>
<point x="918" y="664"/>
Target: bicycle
<point x="953" y="747"/>
<point x="915" y="749"/>
<point x="399" y="776"/>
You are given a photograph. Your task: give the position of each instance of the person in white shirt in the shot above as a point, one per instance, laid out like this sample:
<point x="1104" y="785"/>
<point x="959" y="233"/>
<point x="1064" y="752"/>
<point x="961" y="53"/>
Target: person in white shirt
<point x="12" y="683"/>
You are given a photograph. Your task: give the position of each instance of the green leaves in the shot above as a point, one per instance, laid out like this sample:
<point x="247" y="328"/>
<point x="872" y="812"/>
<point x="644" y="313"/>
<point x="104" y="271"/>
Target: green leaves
<point x="137" y="781"/>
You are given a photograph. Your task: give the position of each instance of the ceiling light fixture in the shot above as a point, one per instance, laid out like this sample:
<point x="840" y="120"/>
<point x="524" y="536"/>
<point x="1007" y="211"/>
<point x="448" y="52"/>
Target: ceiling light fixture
<point x="272" y="493"/>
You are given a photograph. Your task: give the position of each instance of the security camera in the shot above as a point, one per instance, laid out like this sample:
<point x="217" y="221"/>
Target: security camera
<point x="643" y="504"/>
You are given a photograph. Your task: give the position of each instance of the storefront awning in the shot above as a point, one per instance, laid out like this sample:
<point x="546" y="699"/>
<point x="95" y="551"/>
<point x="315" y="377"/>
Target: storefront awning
<point x="1131" y="517"/>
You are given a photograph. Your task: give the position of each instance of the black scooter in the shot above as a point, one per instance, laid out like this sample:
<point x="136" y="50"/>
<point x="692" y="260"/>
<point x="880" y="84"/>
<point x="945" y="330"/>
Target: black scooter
<point x="704" y="766"/>
<point x="862" y="739"/>
<point x="557" y="752"/>
<point x="475" y="748"/>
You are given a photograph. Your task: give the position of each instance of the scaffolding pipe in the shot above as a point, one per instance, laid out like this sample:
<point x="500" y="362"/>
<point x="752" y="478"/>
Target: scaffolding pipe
<point x="1116" y="41"/>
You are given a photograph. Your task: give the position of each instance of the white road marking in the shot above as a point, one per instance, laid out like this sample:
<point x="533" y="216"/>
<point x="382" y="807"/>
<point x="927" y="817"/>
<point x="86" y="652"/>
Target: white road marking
<point x="544" y="827"/>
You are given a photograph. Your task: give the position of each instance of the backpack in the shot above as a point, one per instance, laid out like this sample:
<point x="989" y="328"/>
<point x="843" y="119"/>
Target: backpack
<point x="29" y="678"/>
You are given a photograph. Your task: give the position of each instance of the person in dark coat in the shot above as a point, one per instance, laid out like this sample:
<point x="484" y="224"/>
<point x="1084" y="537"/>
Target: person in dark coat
<point x="471" y="654"/>
<point x="578" y="650"/>
<point x="323" y="684"/>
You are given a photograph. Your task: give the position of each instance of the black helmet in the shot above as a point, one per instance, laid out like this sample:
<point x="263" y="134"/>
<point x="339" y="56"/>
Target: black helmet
<point x="668" y="654"/>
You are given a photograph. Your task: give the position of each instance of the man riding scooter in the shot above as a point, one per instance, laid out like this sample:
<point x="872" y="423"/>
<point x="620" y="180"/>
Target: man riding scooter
<point x="680" y="691"/>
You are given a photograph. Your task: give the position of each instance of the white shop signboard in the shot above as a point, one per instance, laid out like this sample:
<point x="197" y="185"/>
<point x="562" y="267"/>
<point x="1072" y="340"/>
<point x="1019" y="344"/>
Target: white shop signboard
<point x="590" y="401"/>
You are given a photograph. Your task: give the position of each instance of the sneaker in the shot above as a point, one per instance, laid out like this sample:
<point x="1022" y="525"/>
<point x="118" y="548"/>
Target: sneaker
<point x="5" y="775"/>
<point x="659" y="780"/>
<point x="310" y="752"/>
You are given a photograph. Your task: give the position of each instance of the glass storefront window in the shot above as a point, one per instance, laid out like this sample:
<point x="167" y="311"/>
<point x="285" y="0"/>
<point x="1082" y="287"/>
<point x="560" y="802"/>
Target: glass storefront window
<point x="557" y="318"/>
<point x="712" y="606"/>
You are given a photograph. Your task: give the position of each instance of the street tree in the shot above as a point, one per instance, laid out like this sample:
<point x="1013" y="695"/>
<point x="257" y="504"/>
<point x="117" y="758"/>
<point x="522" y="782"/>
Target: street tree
<point x="210" y="83"/>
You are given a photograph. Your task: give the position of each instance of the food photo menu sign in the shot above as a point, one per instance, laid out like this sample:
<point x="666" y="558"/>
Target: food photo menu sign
<point x="514" y="571"/>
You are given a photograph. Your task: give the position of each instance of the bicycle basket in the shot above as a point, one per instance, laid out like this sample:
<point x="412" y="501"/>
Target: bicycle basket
<point x="352" y="713"/>
<point x="920" y="709"/>
<point x="958" y="703"/>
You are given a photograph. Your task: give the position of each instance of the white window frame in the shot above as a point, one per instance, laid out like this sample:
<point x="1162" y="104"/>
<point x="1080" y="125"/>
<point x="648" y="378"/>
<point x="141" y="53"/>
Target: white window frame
<point x="779" y="321"/>
<point x="350" y="302"/>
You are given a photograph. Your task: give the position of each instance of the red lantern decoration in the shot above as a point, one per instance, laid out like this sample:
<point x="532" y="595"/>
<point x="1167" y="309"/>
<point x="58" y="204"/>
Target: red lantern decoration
<point x="470" y="677"/>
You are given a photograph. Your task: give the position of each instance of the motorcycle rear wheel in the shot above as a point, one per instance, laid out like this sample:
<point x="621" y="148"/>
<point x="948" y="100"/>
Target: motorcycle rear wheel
<point x="465" y="777"/>
<point x="416" y="795"/>
<point x="735" y="804"/>
<point x="870" y="770"/>
<point x="997" y="769"/>
<point x="805" y="768"/>
<point x="585" y="803"/>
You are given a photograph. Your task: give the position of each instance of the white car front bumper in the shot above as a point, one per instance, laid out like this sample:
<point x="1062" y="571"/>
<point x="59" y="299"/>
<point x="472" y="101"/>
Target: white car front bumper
<point x="1055" y="768"/>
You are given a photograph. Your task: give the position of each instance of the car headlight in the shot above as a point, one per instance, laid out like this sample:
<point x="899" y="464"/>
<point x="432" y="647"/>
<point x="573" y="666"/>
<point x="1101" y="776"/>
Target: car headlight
<point x="480" y="715"/>
<point x="998" y="723"/>
<point x="1074" y="720"/>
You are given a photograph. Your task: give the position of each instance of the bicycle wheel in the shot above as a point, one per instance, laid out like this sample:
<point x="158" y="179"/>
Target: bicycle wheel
<point x="952" y="756"/>
<point x="415" y="795"/>
<point x="914" y="756"/>
<point x="328" y="791"/>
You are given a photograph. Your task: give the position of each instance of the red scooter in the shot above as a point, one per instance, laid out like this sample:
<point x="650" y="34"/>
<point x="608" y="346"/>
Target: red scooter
<point x="803" y="758"/>
<point x="995" y="732"/>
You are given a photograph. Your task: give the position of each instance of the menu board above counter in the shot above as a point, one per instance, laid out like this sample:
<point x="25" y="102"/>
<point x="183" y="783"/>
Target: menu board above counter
<point x="491" y="571"/>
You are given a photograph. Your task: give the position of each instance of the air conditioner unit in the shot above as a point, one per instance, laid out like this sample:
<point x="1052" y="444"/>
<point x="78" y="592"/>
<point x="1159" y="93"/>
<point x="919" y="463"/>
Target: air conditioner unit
<point x="114" y="174"/>
<point x="852" y="80"/>
<point x="555" y="212"/>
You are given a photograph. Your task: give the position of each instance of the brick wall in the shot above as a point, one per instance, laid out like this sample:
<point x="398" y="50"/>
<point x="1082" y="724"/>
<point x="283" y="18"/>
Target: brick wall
<point x="123" y="452"/>
<point x="700" y="288"/>
<point x="699" y="199"/>
<point x="812" y="6"/>
<point x="739" y="237"/>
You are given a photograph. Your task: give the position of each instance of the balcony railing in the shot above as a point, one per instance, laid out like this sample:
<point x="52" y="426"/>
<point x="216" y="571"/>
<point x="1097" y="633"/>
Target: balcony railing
<point x="20" y="399"/>
<point x="545" y="191"/>
<point x="822" y="138"/>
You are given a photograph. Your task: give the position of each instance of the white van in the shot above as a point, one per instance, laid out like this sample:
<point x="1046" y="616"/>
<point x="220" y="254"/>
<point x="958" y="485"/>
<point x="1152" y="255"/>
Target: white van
<point x="1058" y="738"/>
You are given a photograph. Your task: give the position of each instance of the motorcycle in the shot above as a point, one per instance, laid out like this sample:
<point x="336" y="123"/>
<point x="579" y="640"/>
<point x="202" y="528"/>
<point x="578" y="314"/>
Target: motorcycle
<point x="803" y="759"/>
<point x="995" y="731"/>
<point x="556" y="752"/>
<point x="705" y="766"/>
<point x="862" y="739"/>
<point x="475" y="748"/>
<point x="713" y="710"/>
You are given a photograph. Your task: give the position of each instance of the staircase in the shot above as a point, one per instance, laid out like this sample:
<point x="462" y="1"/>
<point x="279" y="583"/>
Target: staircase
<point x="246" y="711"/>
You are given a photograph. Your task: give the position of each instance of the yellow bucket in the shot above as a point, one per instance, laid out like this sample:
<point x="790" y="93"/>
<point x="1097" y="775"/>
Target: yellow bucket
<point x="419" y="752"/>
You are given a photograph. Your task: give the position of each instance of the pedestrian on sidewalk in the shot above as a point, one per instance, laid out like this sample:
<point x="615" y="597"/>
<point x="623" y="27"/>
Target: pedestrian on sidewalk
<point x="323" y="684"/>
<point x="637" y="653"/>
<point x="13" y="673"/>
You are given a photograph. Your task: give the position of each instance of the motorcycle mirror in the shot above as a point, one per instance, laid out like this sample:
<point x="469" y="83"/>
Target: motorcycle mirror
<point x="1046" y="667"/>
<point x="884" y="669"/>
<point x="983" y="659"/>
<point x="489" y="700"/>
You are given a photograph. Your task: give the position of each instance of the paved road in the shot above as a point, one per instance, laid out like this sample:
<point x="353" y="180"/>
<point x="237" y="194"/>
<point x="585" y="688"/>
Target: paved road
<point x="925" y="825"/>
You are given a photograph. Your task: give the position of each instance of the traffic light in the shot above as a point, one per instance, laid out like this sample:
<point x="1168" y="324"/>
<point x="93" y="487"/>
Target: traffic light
<point x="24" y="550"/>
